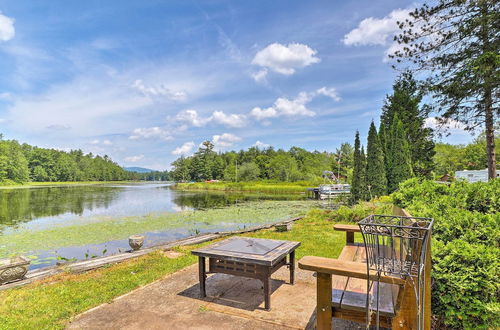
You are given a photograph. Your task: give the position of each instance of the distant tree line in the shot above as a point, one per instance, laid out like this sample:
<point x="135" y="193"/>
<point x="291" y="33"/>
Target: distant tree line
<point x="262" y="164"/>
<point x="24" y="163"/>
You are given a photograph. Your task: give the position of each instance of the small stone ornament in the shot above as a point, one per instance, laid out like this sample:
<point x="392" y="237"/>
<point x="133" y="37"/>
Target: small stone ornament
<point x="13" y="269"/>
<point x="283" y="227"/>
<point x="136" y="242"/>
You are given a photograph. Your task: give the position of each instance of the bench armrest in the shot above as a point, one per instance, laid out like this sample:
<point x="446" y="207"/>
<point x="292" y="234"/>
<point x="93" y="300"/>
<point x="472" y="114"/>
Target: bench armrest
<point x="349" y="231"/>
<point x="348" y="228"/>
<point x="344" y="268"/>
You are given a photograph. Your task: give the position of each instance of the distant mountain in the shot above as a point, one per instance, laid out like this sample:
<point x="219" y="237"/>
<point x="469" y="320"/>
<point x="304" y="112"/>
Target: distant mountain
<point x="138" y="169"/>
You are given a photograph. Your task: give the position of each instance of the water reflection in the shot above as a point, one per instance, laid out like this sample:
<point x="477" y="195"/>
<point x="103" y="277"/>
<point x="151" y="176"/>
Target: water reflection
<point x="24" y="205"/>
<point x="43" y="207"/>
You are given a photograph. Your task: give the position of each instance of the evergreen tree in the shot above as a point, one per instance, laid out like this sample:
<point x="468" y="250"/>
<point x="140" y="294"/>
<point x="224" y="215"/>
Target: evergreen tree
<point x="399" y="157"/>
<point x="455" y="45"/>
<point x="404" y="101"/>
<point x="365" y="192"/>
<point x="358" y="176"/>
<point x="375" y="167"/>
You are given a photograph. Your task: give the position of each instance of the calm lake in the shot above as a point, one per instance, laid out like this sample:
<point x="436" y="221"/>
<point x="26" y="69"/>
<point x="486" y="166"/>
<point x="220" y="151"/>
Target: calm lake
<point x="50" y="223"/>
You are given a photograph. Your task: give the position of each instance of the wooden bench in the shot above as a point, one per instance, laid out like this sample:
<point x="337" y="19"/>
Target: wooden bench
<point x="342" y="285"/>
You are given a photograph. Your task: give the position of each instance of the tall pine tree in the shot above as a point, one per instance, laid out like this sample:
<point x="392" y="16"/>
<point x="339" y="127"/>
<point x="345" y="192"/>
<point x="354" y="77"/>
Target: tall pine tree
<point x="455" y="46"/>
<point x="362" y="175"/>
<point x="399" y="157"/>
<point x="382" y="137"/>
<point x="375" y="167"/>
<point x="358" y="175"/>
<point x="404" y="101"/>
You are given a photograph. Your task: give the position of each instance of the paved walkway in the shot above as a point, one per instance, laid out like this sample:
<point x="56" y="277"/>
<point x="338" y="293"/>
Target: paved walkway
<point x="231" y="303"/>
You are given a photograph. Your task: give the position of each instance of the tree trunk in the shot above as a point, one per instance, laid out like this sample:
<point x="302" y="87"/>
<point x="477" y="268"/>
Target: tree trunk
<point x="488" y="100"/>
<point x="490" y="137"/>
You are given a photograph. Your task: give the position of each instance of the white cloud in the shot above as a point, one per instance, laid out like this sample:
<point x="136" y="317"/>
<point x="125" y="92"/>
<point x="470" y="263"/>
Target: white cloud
<point x="261" y="145"/>
<point x="261" y="114"/>
<point x="7" y="30"/>
<point x="284" y="59"/>
<point x="225" y="140"/>
<point x="150" y="133"/>
<point x="185" y="149"/>
<point x="134" y="159"/>
<point x="107" y="143"/>
<point x="191" y="117"/>
<point x="260" y="76"/>
<point x="376" y="31"/>
<point x="230" y="120"/>
<point x="379" y="31"/>
<point x="292" y="108"/>
<point x="330" y="92"/>
<point x="440" y="124"/>
<point x="94" y="142"/>
<point x="159" y="91"/>
<point x="58" y="127"/>
<point x="219" y="117"/>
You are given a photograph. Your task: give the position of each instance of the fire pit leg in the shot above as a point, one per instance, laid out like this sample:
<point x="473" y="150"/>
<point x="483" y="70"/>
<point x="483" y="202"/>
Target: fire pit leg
<point x="267" y="292"/>
<point x="202" y="274"/>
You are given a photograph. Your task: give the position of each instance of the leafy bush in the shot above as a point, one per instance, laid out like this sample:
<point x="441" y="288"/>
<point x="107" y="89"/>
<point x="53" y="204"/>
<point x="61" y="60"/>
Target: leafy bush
<point x="466" y="241"/>
<point x="362" y="210"/>
<point x="466" y="286"/>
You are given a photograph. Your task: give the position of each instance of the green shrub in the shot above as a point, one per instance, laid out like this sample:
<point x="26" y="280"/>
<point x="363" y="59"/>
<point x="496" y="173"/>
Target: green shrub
<point x="362" y="210"/>
<point x="466" y="287"/>
<point x="466" y="248"/>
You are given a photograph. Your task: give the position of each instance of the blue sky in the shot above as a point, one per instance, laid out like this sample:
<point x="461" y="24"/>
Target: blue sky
<point x="147" y="81"/>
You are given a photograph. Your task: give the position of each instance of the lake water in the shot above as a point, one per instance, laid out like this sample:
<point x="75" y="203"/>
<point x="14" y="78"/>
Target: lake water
<point x="40" y="209"/>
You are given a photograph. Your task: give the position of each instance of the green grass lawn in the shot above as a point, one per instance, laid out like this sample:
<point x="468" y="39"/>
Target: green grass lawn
<point x="53" y="302"/>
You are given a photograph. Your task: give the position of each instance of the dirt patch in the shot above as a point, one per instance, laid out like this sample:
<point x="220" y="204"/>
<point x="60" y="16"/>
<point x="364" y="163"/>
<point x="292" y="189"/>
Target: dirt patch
<point x="173" y="254"/>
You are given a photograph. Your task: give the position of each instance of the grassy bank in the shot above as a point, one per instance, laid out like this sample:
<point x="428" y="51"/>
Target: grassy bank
<point x="26" y="240"/>
<point x="13" y="185"/>
<point x="252" y="186"/>
<point x="53" y="302"/>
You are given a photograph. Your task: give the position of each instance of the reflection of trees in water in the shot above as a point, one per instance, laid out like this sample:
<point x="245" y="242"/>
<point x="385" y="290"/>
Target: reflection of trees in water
<point x="213" y="200"/>
<point x="23" y="205"/>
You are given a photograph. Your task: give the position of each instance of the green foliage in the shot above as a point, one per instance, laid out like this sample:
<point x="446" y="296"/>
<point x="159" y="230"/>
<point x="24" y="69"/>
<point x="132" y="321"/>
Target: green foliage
<point x="466" y="248"/>
<point x="405" y="103"/>
<point x="460" y="62"/>
<point x="450" y="158"/>
<point x="466" y="286"/>
<point x="358" y="186"/>
<point x="249" y="172"/>
<point x="262" y="164"/>
<point x="399" y="156"/>
<point x="361" y="210"/>
<point x="261" y="186"/>
<point x="375" y="167"/>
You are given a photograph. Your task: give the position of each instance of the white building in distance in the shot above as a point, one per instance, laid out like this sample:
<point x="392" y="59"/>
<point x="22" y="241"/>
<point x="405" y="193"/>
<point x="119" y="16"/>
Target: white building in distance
<point x="474" y="175"/>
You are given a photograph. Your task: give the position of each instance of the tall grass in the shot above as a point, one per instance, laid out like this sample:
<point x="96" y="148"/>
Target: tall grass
<point x="271" y="187"/>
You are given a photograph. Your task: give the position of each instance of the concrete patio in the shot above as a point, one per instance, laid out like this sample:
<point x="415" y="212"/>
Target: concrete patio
<point x="232" y="303"/>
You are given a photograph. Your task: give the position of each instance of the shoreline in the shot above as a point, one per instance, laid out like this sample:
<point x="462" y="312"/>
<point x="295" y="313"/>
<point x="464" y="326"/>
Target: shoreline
<point x="72" y="183"/>
<point x="252" y="186"/>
